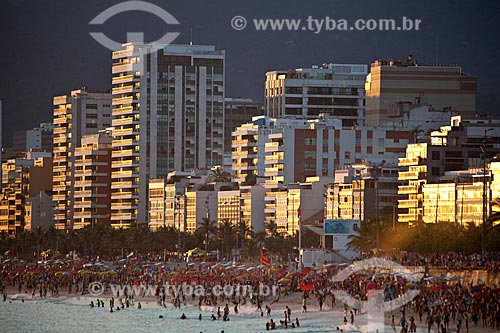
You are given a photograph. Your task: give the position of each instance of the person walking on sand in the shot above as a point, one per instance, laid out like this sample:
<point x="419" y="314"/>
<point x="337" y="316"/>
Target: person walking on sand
<point x="304" y="305"/>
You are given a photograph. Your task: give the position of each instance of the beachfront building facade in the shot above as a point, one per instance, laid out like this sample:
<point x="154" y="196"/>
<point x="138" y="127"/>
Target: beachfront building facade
<point x="92" y="198"/>
<point x="75" y="115"/>
<point x="336" y="90"/>
<point x="168" y="114"/>
<point x="455" y="147"/>
<point x="392" y="82"/>
<point x="248" y="151"/>
<point x="22" y="178"/>
<point x="362" y="191"/>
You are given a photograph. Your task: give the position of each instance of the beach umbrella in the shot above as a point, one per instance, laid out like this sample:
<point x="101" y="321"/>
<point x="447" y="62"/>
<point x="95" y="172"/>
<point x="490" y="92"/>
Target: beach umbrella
<point x="306" y="286"/>
<point x="284" y="280"/>
<point x="480" y="294"/>
<point x="137" y="269"/>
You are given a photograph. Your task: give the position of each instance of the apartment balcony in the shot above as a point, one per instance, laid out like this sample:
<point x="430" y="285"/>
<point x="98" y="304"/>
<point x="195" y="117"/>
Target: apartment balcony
<point x="123" y="121"/>
<point x="408" y="203"/>
<point x="122" y="100"/>
<point x="58" y="111"/>
<point x="62" y="149"/>
<point x="411" y="175"/>
<point x="59" y="188"/>
<point x="121" y="185"/>
<point x="123" y="53"/>
<point x="58" y="197"/>
<point x="123" y="195"/>
<point x="82" y="183"/>
<point x="82" y="204"/>
<point x="123" y="110"/>
<point x="83" y="194"/>
<point x="60" y="217"/>
<point x="240" y="154"/>
<point x="124" y="164"/>
<point x="122" y="216"/>
<point x="271" y="172"/>
<point x="82" y="215"/>
<point x="123" y="79"/>
<point x="122" y="68"/>
<point x="122" y="206"/>
<point x="122" y="174"/>
<point x="122" y="143"/>
<point x="406" y="218"/>
<point x="59" y="178"/>
<point x="125" y="131"/>
<point x="60" y="139"/>
<point x="60" y="130"/>
<point x="273" y="146"/>
<point x="86" y="172"/>
<point x="244" y="143"/>
<point x="407" y="189"/>
<point x="61" y="120"/>
<point x="124" y="153"/>
<point x="404" y="161"/>
<point x="122" y="90"/>
<point x="271" y="159"/>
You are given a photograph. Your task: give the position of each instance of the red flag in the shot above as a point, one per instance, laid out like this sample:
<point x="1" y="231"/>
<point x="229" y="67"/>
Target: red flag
<point x="263" y="259"/>
<point x="298" y="212"/>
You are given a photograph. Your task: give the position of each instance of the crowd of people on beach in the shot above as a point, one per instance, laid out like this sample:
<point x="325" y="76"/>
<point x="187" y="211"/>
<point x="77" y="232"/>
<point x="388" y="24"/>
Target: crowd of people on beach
<point x="443" y="304"/>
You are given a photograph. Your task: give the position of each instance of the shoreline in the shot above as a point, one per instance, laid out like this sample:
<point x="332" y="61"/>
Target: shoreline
<point x="328" y="317"/>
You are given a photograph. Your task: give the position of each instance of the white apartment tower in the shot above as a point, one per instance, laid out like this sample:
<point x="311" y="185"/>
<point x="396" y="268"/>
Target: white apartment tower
<point x="168" y="112"/>
<point x="75" y="115"/>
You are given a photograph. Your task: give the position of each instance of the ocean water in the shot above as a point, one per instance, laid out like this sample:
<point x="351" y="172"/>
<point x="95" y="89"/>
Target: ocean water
<point x="77" y="316"/>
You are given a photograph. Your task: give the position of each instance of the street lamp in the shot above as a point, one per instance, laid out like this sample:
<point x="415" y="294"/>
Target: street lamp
<point x="483" y="233"/>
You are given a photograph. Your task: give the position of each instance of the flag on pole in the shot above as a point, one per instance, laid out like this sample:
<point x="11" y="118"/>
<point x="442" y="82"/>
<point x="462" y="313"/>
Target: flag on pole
<point x="263" y="259"/>
<point x="298" y="212"/>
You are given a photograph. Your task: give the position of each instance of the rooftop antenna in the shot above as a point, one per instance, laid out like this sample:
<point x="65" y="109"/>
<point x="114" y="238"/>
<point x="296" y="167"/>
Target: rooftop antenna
<point x="191" y="36"/>
<point x="437" y="50"/>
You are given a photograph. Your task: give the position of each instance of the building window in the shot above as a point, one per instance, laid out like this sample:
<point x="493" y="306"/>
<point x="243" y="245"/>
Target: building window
<point x="309" y="166"/>
<point x="435" y="155"/>
<point x="435" y="171"/>
<point x="347" y="155"/>
<point x="309" y="154"/>
<point x="91" y="106"/>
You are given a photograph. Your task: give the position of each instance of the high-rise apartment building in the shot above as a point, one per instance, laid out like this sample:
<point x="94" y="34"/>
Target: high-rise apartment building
<point x="40" y="138"/>
<point x="336" y="90"/>
<point x="248" y="150"/>
<point x="391" y="82"/>
<point x="92" y="192"/>
<point x="22" y="178"/>
<point x="168" y="112"/>
<point x="238" y="111"/>
<point x="75" y="115"/>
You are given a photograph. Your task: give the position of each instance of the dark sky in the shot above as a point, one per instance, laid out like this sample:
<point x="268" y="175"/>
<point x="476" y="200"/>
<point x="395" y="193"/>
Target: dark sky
<point x="47" y="49"/>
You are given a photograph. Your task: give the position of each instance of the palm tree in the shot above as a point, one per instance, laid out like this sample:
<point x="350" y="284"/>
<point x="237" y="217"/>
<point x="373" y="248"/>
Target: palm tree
<point x="243" y="232"/>
<point x="417" y="132"/>
<point x="207" y="228"/>
<point x="220" y="176"/>
<point x="226" y="231"/>
<point x="271" y="228"/>
<point x="366" y="239"/>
